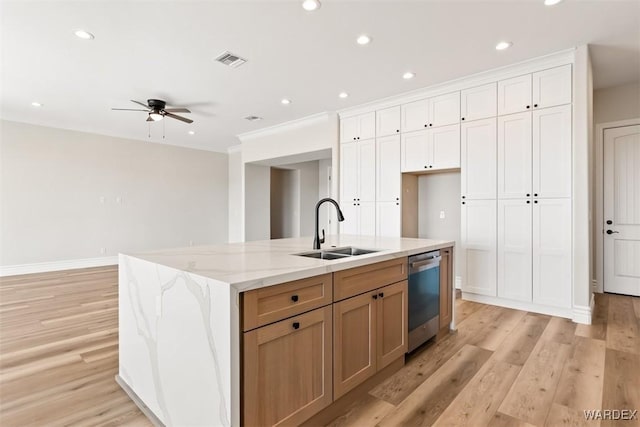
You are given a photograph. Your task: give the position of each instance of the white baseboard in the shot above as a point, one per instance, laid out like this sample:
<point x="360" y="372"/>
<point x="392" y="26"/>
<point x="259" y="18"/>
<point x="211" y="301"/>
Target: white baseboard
<point x="582" y="314"/>
<point x="520" y="305"/>
<point x="70" y="264"/>
<point x="458" y="282"/>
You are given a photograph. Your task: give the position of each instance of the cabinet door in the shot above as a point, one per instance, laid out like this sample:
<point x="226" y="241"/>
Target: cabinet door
<point x="444" y="109"/>
<point x="415" y="115"/>
<point x="514" y="249"/>
<point x="479" y="102"/>
<point x="348" y="172"/>
<point x="446" y="288"/>
<point x="367" y="170"/>
<point x="514" y="156"/>
<point x="391" y="323"/>
<point x="367" y="218"/>
<point x="479" y="246"/>
<point x="354" y="342"/>
<point x="287" y="369"/>
<point x="478" y="159"/>
<point x="348" y="129"/>
<point x="351" y="223"/>
<point x="389" y="176"/>
<point x="552" y="152"/>
<point x="388" y="121"/>
<point x="552" y="252"/>
<point x="413" y="151"/>
<point x="444" y="147"/>
<point x="552" y="87"/>
<point x="388" y="219"/>
<point x="367" y="125"/>
<point x="514" y="95"/>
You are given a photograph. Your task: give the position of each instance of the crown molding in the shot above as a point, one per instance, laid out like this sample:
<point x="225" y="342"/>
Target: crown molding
<point x="286" y="126"/>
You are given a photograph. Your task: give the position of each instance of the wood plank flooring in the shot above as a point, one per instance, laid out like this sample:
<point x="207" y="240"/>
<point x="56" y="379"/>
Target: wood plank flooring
<point x="59" y="356"/>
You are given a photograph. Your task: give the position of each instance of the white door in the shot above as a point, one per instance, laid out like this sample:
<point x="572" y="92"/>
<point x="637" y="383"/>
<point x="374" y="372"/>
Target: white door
<point x="479" y="240"/>
<point x="389" y="175"/>
<point x="444" y="109"/>
<point x="514" y="95"/>
<point x="444" y="147"/>
<point x="514" y="156"/>
<point x="514" y="249"/>
<point x="622" y="209"/>
<point x="388" y="219"/>
<point x="367" y="125"/>
<point x="552" y="252"/>
<point x="478" y="102"/>
<point x="413" y="151"/>
<point x="552" y="87"/>
<point x="367" y="218"/>
<point x="348" y="172"/>
<point x="552" y="152"/>
<point x="388" y="121"/>
<point x="366" y="170"/>
<point x="415" y="115"/>
<point x="348" y="129"/>
<point x="478" y="159"/>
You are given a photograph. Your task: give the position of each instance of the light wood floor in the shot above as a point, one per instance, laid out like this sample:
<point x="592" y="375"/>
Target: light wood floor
<point x="59" y="346"/>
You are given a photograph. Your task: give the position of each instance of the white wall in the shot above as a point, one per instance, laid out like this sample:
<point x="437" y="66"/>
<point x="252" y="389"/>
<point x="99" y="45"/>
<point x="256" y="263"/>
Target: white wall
<point x="616" y="103"/>
<point x="285" y="203"/>
<point x="59" y="193"/>
<point x="257" y="203"/>
<point x="236" y="195"/>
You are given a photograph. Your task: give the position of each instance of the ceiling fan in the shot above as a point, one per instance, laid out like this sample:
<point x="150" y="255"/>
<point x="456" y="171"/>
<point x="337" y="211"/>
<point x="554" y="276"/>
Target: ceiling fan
<point x="155" y="108"/>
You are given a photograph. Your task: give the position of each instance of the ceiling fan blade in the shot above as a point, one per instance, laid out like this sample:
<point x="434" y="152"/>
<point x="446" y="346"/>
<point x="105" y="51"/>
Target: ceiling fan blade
<point x="177" y="110"/>
<point x="140" y="103"/>
<point x="129" y="109"/>
<point x="182" y="119"/>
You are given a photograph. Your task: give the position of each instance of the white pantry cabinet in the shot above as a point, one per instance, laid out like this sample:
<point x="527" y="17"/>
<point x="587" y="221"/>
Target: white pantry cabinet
<point x="514" y="95"/>
<point x="514" y="156"/>
<point x="358" y="186"/>
<point x="389" y="178"/>
<point x="358" y="127"/>
<point x="414" y="151"/>
<point x="478" y="159"/>
<point x="478" y="102"/>
<point x="479" y="240"/>
<point x="359" y="218"/>
<point x="388" y="219"/>
<point x="388" y="121"/>
<point x="552" y="152"/>
<point x="431" y="149"/>
<point x="514" y="249"/>
<point x="552" y="87"/>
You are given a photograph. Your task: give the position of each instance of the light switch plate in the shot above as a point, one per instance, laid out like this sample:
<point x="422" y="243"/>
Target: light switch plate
<point x="441" y="214"/>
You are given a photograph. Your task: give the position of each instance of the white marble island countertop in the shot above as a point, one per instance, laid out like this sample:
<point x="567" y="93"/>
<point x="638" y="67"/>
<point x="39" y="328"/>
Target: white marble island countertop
<point x="252" y="265"/>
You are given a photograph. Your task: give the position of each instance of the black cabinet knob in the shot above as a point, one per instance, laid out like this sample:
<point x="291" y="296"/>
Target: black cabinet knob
<point x="463" y="118"/>
<point x="535" y="105"/>
<point x="464" y="197"/>
<point x="425" y="125"/>
<point x="535" y="194"/>
<point x="425" y="167"/>
<point x="397" y="130"/>
<point x="381" y="294"/>
<point x="430" y="166"/>
<point x="296" y="325"/>
<point x="430" y="124"/>
<point x="358" y="137"/>
<point x="354" y="138"/>
<point x="374" y="296"/>
<point x="463" y="203"/>
<point x="535" y="201"/>
<point x="528" y="106"/>
<point x="528" y="201"/>
<point x="294" y="298"/>
<point x="528" y="194"/>
<point x="397" y="204"/>
<point x="609" y="222"/>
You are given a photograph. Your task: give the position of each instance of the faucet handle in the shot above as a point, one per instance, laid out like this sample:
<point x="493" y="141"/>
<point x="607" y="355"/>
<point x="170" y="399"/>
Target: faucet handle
<point x="322" y="239"/>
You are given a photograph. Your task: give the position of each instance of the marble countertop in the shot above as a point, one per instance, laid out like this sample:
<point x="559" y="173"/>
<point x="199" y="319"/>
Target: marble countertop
<point x="252" y="265"/>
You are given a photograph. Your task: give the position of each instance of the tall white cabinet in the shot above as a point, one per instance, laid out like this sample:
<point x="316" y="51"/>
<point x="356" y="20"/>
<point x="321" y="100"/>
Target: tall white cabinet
<point x="358" y="187"/>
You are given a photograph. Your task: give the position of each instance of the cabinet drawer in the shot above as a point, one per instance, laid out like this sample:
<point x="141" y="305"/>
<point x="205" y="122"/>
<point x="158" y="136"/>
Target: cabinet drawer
<point x="348" y="283"/>
<point x="273" y="303"/>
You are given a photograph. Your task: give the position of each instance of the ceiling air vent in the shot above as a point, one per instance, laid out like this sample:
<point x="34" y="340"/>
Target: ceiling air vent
<point x="230" y="59"/>
<point x="253" y="118"/>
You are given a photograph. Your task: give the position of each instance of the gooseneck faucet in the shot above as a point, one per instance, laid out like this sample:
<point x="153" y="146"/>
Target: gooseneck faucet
<point x="317" y="240"/>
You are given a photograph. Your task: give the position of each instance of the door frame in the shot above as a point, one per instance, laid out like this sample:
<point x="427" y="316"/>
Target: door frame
<point x="598" y="281"/>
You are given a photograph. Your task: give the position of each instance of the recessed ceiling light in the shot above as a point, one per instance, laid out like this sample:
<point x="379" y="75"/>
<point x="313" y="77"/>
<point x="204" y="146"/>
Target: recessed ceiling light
<point x="551" y="2"/>
<point x="503" y="45"/>
<point x="343" y="95"/>
<point x="286" y="101"/>
<point x="363" y="39"/>
<point x="36" y="104"/>
<point x="84" y="35"/>
<point x="192" y="132"/>
<point x="408" y="75"/>
<point x="311" y="5"/>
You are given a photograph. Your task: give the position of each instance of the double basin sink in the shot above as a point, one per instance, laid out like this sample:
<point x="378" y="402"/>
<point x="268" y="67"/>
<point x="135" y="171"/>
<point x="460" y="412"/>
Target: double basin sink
<point x="337" y="253"/>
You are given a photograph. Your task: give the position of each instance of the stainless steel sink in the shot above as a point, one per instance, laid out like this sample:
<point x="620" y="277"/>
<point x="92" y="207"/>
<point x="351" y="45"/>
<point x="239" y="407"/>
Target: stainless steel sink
<point x="337" y="253"/>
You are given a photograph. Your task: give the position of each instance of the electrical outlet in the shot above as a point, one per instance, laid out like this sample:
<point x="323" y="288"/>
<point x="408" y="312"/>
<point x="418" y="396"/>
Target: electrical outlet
<point x="441" y="214"/>
<point x="103" y="251"/>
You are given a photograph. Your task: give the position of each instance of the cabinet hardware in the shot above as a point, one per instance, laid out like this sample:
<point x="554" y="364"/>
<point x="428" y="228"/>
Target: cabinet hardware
<point x="528" y="194"/>
<point x="609" y="222"/>
<point x="381" y="294"/>
<point x="464" y="197"/>
<point x="358" y="137"/>
<point x="397" y="130"/>
<point x="294" y="298"/>
<point x="430" y="124"/>
<point x="374" y="296"/>
<point x="354" y="138"/>
<point x="425" y="167"/>
<point x="535" y="194"/>
<point x="535" y="105"/>
<point x="296" y="325"/>
<point x="612" y="232"/>
<point x="535" y="201"/>
<point x="528" y="106"/>
<point x="397" y="204"/>
<point x="425" y="125"/>
<point x="463" y="203"/>
<point x="528" y="201"/>
<point x="397" y="198"/>
<point x="463" y="118"/>
<point x="430" y="166"/>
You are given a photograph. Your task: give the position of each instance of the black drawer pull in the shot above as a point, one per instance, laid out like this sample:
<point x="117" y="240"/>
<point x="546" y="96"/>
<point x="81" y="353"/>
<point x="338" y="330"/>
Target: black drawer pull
<point x="381" y="294"/>
<point x="294" y="298"/>
<point x="374" y="296"/>
<point x="296" y="325"/>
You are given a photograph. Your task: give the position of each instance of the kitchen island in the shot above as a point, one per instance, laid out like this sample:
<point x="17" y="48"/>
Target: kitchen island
<point x="181" y="322"/>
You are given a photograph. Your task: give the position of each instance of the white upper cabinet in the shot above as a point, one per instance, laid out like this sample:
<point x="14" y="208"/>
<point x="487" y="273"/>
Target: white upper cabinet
<point x="514" y="95"/>
<point x="414" y="115"/>
<point x="388" y="219"/>
<point x="552" y="87"/>
<point x="388" y="121"/>
<point x="514" y="249"/>
<point x="358" y="127"/>
<point x="366" y="170"/>
<point x="552" y="152"/>
<point x="479" y="241"/>
<point x="443" y="147"/>
<point x="348" y="173"/>
<point x="413" y="150"/>
<point x="389" y="176"/>
<point x="514" y="156"/>
<point x="444" y="109"/>
<point x="478" y="159"/>
<point x="479" y="102"/>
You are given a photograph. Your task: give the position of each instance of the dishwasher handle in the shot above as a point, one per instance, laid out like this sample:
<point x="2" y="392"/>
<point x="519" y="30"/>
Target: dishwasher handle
<point x="423" y="263"/>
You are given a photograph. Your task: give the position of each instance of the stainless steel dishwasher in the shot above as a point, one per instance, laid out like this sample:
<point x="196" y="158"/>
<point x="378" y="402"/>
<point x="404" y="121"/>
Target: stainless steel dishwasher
<point x="424" y="297"/>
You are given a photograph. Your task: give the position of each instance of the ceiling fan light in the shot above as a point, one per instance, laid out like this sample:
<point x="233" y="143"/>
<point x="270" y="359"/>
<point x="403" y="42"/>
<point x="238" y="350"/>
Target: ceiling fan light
<point x="156" y="116"/>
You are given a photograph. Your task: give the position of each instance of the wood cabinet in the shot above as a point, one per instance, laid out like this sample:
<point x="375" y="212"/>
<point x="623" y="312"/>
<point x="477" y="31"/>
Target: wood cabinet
<point x="355" y="281"/>
<point x="446" y="287"/>
<point x="431" y="149"/>
<point x="478" y="102"/>
<point x="479" y="241"/>
<point x="552" y="152"/>
<point x="478" y="159"/>
<point x="370" y="333"/>
<point x="552" y="87"/>
<point x="286" y="366"/>
<point x="358" y="127"/>
<point x="515" y="156"/>
<point x="388" y="121"/>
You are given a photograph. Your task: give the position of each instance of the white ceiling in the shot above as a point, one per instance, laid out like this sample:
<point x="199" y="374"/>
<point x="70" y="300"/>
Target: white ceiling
<point x="165" y="49"/>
